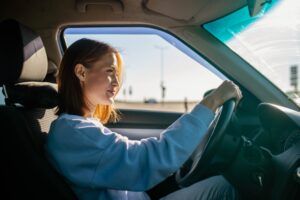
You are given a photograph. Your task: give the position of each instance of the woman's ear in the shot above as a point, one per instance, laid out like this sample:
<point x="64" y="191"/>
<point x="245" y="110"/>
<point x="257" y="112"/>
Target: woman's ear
<point x="80" y="72"/>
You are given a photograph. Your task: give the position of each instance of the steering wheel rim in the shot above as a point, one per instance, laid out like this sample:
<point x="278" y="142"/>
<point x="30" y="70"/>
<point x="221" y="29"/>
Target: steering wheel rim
<point x="198" y="163"/>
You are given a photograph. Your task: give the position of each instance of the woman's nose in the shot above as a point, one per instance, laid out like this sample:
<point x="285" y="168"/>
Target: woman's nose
<point x="115" y="81"/>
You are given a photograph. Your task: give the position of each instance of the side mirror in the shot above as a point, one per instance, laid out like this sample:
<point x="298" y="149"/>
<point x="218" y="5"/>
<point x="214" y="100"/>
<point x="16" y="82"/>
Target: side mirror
<point x="255" y="6"/>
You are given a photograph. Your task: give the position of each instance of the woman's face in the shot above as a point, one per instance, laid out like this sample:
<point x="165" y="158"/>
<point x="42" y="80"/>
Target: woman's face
<point x="100" y="83"/>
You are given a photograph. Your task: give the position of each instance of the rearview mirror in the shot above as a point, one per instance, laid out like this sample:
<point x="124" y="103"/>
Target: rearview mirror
<point x="255" y="6"/>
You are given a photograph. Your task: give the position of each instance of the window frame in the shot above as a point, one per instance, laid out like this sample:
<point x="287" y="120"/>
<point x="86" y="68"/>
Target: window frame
<point x="165" y="34"/>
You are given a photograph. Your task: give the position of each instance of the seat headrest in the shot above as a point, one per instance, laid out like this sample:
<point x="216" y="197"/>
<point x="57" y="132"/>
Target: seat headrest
<point x="33" y="94"/>
<point x="22" y="54"/>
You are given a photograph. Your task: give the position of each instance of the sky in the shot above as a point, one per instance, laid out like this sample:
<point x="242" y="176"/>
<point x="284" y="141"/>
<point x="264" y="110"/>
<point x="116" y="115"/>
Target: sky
<point x="182" y="76"/>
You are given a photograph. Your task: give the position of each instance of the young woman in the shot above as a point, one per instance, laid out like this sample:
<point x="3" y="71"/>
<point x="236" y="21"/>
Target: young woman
<point x="101" y="164"/>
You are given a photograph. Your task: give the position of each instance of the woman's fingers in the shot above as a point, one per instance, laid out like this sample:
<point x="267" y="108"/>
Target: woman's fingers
<point x="237" y="94"/>
<point x="236" y="91"/>
<point x="228" y="90"/>
<point x="224" y="92"/>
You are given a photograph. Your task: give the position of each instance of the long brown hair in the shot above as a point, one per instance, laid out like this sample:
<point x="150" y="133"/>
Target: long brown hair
<point x="71" y="100"/>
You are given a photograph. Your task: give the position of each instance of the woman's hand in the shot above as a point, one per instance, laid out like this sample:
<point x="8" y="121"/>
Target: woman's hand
<point x="219" y="96"/>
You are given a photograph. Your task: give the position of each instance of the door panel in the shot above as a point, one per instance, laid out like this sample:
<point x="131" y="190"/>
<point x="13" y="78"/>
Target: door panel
<point x="137" y="124"/>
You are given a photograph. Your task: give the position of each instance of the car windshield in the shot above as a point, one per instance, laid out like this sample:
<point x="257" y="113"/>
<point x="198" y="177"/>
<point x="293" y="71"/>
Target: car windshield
<point x="269" y="41"/>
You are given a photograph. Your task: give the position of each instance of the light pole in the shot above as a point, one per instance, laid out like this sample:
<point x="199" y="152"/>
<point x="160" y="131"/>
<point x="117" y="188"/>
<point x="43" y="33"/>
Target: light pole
<point x="162" y="85"/>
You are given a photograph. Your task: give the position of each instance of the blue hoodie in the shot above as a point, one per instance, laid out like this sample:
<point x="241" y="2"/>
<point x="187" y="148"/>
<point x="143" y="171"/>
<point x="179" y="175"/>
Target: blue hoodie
<point x="101" y="164"/>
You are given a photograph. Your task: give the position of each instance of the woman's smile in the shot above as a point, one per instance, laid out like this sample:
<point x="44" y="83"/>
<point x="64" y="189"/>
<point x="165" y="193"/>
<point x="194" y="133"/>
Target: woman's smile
<point x="111" y="93"/>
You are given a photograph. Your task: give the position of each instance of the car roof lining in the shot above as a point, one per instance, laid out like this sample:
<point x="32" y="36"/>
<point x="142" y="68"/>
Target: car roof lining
<point x="39" y="15"/>
<point x="194" y="11"/>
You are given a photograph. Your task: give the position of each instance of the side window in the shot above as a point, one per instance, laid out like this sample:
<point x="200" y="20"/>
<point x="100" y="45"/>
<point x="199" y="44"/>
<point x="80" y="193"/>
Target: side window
<point x="160" y="72"/>
<point x="1" y="97"/>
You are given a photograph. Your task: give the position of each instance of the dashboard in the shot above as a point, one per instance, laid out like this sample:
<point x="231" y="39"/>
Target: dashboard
<point x="268" y="160"/>
<point x="280" y="127"/>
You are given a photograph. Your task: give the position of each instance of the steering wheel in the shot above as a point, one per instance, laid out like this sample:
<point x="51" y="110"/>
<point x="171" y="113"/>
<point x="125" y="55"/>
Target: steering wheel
<point x="198" y="164"/>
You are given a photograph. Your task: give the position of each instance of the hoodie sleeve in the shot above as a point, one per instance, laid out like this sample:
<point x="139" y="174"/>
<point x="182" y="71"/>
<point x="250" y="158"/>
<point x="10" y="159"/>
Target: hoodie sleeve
<point x="96" y="157"/>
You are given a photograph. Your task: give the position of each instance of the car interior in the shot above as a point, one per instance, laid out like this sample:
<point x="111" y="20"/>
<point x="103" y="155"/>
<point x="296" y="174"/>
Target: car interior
<point x="254" y="145"/>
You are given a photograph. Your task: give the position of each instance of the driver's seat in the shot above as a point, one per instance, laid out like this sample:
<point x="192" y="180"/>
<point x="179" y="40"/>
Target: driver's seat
<point x="25" y="172"/>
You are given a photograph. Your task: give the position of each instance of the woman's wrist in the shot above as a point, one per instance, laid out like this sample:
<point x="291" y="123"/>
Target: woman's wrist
<point x="210" y="102"/>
